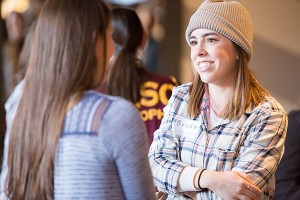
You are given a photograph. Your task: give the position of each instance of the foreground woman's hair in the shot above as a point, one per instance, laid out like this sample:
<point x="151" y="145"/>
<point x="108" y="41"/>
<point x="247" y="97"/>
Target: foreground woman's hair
<point x="62" y="66"/>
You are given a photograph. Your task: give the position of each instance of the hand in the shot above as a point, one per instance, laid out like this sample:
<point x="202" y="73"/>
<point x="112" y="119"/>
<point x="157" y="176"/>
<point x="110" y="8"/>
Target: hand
<point x="230" y="185"/>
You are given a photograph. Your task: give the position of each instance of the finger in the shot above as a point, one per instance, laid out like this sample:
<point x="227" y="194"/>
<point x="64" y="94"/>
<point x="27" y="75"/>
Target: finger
<point x="253" y="190"/>
<point x="249" y="185"/>
<point x="244" y="176"/>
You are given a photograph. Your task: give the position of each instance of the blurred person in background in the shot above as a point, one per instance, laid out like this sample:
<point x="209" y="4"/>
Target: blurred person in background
<point x="127" y="76"/>
<point x="151" y="17"/>
<point x="24" y="55"/>
<point x="288" y="173"/>
<point x="15" y="26"/>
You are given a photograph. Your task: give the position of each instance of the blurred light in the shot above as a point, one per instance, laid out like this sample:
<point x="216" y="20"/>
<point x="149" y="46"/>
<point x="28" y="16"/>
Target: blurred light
<point x="8" y="6"/>
<point x="126" y="2"/>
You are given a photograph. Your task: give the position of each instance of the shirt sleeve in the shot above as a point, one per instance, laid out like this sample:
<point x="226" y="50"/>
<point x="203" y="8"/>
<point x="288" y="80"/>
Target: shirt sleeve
<point x="4" y="168"/>
<point x="188" y="179"/>
<point x="126" y="141"/>
<point x="163" y="154"/>
<point x="262" y="150"/>
<point x="10" y="108"/>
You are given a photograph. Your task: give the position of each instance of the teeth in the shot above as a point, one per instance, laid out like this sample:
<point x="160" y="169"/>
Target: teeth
<point x="204" y="64"/>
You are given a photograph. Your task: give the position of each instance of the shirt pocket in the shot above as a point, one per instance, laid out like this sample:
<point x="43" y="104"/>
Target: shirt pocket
<point x="219" y="159"/>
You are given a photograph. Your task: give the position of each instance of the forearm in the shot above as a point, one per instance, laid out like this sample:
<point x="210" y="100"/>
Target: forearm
<point x="164" y="170"/>
<point x="189" y="179"/>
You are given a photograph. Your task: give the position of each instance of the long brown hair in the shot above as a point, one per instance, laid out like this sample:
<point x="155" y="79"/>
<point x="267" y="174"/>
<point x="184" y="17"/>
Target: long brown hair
<point x="62" y="65"/>
<point x="246" y="90"/>
<point x="126" y="71"/>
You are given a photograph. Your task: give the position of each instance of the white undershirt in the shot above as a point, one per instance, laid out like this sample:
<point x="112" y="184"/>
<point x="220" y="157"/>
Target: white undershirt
<point x="214" y="120"/>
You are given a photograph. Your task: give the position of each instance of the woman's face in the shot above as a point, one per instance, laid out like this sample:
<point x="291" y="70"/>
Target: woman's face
<point x="214" y="57"/>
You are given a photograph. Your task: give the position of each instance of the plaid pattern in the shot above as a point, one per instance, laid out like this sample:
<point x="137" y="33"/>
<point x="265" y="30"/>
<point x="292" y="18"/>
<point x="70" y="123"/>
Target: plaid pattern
<point x="253" y="144"/>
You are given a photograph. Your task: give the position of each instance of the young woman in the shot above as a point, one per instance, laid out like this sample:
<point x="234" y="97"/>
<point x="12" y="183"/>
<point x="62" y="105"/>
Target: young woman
<point x="62" y="141"/>
<point x="222" y="135"/>
<point x="127" y="76"/>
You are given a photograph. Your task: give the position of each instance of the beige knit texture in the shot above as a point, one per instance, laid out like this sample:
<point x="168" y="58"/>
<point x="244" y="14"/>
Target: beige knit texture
<point x="229" y="18"/>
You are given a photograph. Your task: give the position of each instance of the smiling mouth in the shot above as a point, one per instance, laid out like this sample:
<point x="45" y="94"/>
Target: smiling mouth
<point x="205" y="64"/>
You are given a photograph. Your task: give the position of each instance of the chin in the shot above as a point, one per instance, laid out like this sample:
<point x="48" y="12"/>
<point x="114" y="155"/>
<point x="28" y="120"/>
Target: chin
<point x="205" y="79"/>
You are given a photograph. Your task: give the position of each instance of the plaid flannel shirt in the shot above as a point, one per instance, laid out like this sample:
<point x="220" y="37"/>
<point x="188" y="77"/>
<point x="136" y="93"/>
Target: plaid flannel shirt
<point x="253" y="144"/>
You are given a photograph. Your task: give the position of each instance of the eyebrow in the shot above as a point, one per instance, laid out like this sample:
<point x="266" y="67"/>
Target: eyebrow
<point x="204" y="35"/>
<point x="209" y="33"/>
<point x="192" y="37"/>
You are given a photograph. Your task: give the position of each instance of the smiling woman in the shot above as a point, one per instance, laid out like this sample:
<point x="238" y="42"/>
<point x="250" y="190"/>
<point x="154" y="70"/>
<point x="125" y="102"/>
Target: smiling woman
<point x="214" y="57"/>
<point x="222" y="136"/>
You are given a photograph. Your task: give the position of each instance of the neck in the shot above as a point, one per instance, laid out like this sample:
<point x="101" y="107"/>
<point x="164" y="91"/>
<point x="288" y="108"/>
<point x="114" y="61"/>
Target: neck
<point x="219" y="97"/>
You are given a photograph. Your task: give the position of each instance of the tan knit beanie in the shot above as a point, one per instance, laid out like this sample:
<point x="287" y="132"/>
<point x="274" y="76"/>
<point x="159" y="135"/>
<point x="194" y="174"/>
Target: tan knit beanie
<point x="229" y="18"/>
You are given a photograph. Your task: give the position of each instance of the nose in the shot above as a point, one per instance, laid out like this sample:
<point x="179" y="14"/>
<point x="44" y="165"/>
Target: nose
<point x="201" y="49"/>
<point x="198" y="49"/>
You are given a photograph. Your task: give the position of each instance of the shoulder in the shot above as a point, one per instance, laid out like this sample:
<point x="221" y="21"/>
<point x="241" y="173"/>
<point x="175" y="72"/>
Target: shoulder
<point x="271" y="105"/>
<point x="120" y="118"/>
<point x="181" y="91"/>
<point x="178" y="103"/>
<point x="122" y="122"/>
<point x="116" y="104"/>
<point x="270" y="111"/>
<point x="114" y="108"/>
<point x="118" y="108"/>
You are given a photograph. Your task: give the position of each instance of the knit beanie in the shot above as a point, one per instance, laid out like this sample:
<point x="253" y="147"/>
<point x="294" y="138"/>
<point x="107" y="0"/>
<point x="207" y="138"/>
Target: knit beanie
<point x="229" y="18"/>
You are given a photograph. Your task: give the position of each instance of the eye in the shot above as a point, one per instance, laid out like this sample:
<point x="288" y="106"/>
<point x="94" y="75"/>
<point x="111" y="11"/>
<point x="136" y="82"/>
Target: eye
<point x="193" y="42"/>
<point x="211" y="40"/>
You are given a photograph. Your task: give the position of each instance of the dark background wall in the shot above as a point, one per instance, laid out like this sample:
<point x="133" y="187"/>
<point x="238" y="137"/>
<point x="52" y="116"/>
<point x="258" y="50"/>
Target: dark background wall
<point x="171" y="47"/>
<point x="279" y="71"/>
